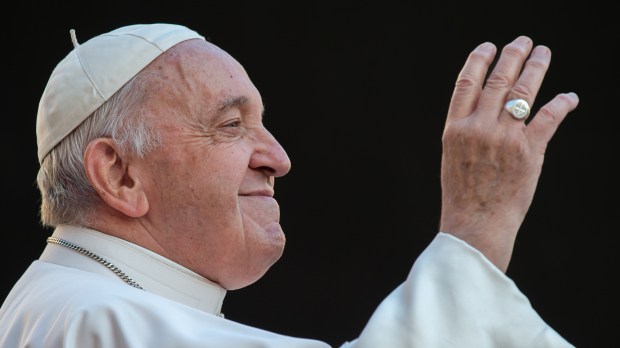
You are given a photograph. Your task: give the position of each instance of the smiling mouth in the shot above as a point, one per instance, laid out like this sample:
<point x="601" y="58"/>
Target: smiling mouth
<point x="261" y="193"/>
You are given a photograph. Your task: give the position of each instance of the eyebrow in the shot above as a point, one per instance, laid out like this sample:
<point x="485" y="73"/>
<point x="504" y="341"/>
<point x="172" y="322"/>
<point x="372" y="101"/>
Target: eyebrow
<point x="232" y="102"/>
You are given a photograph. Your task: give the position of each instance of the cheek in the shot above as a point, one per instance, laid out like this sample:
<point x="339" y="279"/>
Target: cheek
<point x="216" y="171"/>
<point x="196" y="190"/>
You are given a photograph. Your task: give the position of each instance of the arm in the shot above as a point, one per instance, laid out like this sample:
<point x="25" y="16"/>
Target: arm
<point x="455" y="297"/>
<point x="457" y="294"/>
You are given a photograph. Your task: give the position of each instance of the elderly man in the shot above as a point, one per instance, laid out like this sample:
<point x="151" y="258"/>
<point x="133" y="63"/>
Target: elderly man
<point x="158" y="176"/>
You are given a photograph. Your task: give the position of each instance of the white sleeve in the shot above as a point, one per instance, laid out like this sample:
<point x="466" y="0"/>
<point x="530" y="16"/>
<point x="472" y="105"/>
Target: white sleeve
<point x="455" y="297"/>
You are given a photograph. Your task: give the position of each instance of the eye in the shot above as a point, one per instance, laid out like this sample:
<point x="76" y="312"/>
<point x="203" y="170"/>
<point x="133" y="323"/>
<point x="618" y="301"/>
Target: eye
<point x="235" y="123"/>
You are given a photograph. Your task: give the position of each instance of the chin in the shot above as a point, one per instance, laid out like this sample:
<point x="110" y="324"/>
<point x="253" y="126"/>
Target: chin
<point x="269" y="252"/>
<point x="272" y="247"/>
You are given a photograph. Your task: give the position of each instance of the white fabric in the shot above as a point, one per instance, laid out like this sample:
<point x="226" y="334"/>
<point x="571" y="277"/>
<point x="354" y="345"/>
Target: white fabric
<point x="93" y="71"/>
<point x="453" y="297"/>
<point x="151" y="271"/>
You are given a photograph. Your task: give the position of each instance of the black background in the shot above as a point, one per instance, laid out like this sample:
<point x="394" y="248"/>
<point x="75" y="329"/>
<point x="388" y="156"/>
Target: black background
<point x="357" y="92"/>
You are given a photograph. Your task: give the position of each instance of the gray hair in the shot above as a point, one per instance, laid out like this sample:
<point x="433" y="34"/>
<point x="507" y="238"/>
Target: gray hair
<point x="66" y="194"/>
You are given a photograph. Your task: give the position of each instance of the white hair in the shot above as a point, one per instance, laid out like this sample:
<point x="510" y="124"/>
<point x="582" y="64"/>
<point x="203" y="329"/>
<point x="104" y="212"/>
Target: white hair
<point x="67" y="196"/>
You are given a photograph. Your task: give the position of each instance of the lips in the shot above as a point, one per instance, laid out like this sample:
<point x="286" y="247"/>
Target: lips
<point x="258" y="193"/>
<point x="264" y="198"/>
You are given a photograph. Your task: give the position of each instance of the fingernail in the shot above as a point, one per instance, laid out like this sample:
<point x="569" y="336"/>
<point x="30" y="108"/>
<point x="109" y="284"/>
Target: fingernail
<point x="573" y="95"/>
<point x="542" y="51"/>
<point x="487" y="46"/>
<point x="524" y="39"/>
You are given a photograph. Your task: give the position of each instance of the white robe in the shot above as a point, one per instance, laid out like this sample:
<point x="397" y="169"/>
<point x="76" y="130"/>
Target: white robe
<point x="453" y="297"/>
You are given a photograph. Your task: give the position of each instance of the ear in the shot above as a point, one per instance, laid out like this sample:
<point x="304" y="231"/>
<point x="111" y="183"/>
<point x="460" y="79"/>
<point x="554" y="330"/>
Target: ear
<point x="115" y="178"/>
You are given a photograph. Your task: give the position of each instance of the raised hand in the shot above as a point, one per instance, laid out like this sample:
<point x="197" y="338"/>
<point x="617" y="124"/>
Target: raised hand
<point x="491" y="159"/>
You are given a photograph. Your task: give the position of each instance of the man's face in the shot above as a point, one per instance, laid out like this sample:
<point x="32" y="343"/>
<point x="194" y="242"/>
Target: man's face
<point x="210" y="185"/>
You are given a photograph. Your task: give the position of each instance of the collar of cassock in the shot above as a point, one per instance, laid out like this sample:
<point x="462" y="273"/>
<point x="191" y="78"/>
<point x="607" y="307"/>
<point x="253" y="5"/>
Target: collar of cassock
<point x="152" y="271"/>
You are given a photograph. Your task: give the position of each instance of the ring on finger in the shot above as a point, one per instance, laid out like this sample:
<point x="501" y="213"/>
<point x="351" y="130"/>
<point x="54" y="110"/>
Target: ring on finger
<point x="518" y="108"/>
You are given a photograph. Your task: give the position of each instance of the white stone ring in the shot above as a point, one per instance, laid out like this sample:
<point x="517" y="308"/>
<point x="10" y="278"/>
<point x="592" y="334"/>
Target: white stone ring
<point x="518" y="108"/>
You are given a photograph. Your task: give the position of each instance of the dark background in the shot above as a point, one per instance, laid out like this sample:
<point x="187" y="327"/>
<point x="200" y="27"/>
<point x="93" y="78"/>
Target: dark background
<point x="357" y="92"/>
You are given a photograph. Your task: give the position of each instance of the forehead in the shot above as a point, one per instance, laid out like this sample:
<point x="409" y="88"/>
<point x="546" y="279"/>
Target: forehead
<point x="198" y="56"/>
<point x="196" y="74"/>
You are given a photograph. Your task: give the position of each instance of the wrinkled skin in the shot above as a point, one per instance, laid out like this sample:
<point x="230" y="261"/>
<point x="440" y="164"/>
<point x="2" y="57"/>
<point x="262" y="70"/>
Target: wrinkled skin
<point x="491" y="161"/>
<point x="203" y="199"/>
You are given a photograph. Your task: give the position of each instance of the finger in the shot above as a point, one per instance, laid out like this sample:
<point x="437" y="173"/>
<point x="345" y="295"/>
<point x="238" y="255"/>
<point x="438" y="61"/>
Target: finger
<point x="529" y="82"/>
<point x="503" y="76"/>
<point x="470" y="81"/>
<point x="542" y="127"/>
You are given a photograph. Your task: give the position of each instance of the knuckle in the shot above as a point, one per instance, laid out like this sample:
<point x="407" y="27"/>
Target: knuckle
<point x="498" y="82"/>
<point x="464" y="133"/>
<point x="465" y="81"/>
<point x="548" y="114"/>
<point x="449" y="133"/>
<point x="515" y="50"/>
<point x="538" y="63"/>
<point x="522" y="91"/>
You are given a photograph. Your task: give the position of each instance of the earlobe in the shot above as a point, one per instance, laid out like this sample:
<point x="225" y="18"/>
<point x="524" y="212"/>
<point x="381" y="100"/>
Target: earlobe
<point x="115" y="178"/>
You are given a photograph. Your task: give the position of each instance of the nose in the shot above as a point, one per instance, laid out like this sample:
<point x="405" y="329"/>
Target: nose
<point x="270" y="155"/>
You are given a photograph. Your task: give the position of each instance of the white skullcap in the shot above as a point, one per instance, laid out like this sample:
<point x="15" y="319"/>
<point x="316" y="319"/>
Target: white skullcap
<point x="91" y="73"/>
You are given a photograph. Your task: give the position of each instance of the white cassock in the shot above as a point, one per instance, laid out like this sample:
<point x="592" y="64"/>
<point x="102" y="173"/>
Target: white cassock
<point x="453" y="297"/>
